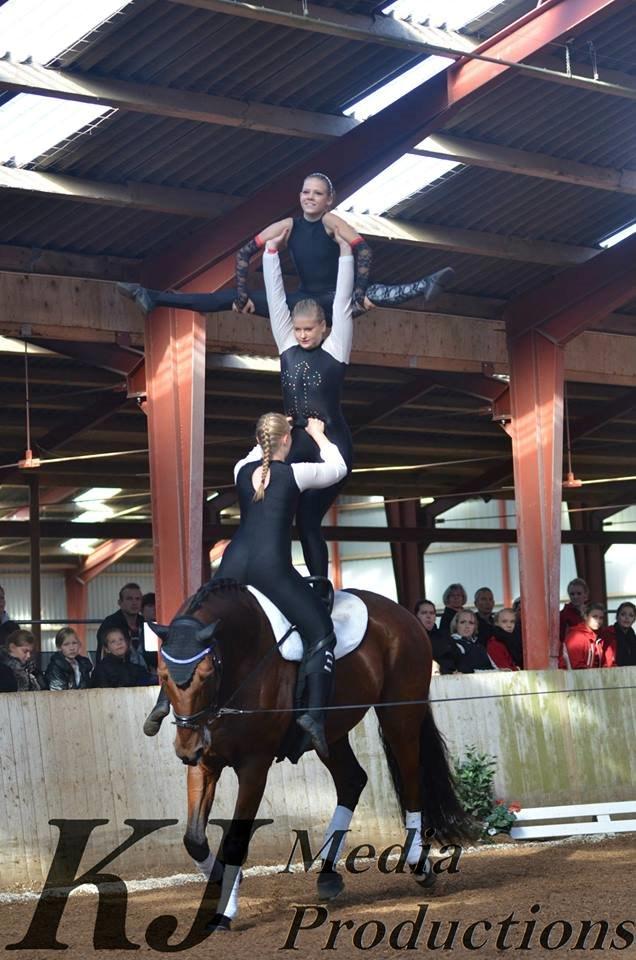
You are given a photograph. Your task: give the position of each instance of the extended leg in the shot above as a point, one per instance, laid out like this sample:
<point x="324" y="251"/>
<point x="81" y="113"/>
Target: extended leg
<point x="148" y="299"/>
<point x="430" y="288"/>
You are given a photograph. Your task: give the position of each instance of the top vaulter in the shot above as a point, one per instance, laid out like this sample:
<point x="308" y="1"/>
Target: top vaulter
<point x="310" y="239"/>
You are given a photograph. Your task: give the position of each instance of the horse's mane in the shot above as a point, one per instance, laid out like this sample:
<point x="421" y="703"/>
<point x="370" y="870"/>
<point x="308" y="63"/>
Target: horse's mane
<point x="222" y="585"/>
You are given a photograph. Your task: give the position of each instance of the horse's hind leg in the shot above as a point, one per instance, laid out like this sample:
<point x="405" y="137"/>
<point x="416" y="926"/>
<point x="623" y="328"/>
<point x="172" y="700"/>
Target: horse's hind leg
<point x="401" y="732"/>
<point x="350" y="780"/>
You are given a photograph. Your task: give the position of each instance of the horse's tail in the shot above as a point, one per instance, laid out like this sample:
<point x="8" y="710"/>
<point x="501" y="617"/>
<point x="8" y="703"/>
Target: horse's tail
<point x="441" y="809"/>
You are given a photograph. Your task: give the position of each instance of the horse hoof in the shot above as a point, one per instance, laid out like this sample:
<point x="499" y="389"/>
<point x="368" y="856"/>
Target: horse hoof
<point x="330" y="885"/>
<point x="219" y="924"/>
<point x="424" y="875"/>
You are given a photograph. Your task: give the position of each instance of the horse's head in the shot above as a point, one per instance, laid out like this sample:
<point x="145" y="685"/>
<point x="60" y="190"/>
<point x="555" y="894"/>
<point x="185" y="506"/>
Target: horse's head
<point x="190" y="674"/>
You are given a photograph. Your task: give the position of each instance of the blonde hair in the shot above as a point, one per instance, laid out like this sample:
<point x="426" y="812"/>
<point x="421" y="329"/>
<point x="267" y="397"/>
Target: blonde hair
<point x="309" y="308"/>
<point x="270" y="430"/>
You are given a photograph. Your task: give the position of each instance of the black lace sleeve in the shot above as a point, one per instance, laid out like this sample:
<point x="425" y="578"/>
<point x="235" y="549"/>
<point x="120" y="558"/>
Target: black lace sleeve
<point x="243" y="257"/>
<point x="363" y="258"/>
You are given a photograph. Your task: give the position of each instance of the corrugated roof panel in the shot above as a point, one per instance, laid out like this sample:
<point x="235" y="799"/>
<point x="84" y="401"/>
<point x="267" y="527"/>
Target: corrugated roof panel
<point x="512" y="205"/>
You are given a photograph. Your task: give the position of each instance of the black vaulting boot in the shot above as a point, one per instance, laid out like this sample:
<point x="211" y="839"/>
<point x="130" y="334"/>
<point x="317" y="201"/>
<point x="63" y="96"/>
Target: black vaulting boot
<point x="157" y="715"/>
<point x="320" y="676"/>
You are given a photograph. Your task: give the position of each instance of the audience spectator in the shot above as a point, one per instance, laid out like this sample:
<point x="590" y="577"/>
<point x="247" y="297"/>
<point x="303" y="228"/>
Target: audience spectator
<point x="618" y="643"/>
<point x="573" y="612"/>
<point x="502" y="642"/>
<point x="581" y="649"/>
<point x="454" y="598"/>
<point x="471" y="655"/>
<point x="116" y="668"/>
<point x="440" y="642"/>
<point x="484" y="602"/>
<point x="149" y="608"/>
<point x="67" y="670"/>
<point x="4" y="616"/>
<point x="16" y="654"/>
<point x="129" y="620"/>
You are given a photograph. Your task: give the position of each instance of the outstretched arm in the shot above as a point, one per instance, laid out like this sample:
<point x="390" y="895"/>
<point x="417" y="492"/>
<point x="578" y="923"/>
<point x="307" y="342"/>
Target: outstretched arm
<point x="280" y="317"/>
<point x="338" y="343"/>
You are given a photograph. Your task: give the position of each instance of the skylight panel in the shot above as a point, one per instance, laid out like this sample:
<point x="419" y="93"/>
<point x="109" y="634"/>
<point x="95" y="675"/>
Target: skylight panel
<point x="617" y="237"/>
<point x="409" y="174"/>
<point x="42" y="30"/>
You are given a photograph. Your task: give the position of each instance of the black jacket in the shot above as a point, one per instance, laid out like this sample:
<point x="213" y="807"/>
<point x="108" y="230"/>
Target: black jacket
<point x="61" y="676"/>
<point x="136" y="643"/>
<point x="27" y="675"/>
<point x="119" y="672"/>
<point x="470" y="655"/>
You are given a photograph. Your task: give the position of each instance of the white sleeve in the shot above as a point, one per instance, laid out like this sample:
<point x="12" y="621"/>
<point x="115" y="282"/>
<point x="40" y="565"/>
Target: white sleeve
<point x="256" y="453"/>
<point x="338" y="343"/>
<point x="279" y="315"/>
<point x="313" y="476"/>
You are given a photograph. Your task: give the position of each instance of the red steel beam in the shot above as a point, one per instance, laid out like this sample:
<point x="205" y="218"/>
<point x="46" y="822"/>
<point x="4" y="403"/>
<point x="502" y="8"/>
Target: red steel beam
<point x="204" y="261"/>
<point x="577" y="298"/>
<point x="175" y="375"/>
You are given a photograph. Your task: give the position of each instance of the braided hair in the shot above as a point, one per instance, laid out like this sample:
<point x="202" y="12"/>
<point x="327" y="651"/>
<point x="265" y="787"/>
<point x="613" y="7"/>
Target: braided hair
<point x="270" y="430"/>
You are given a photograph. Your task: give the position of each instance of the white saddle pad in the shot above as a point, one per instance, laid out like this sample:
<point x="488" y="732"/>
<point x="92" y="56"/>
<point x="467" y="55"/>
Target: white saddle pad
<point x="350" y="617"/>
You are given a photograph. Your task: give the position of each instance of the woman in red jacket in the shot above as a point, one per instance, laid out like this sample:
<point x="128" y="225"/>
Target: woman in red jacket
<point x="618" y="643"/>
<point x="499" y="644"/>
<point x="581" y="649"/>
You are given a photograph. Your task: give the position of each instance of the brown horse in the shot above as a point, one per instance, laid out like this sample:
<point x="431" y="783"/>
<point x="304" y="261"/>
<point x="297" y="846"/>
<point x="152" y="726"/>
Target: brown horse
<point x="232" y="695"/>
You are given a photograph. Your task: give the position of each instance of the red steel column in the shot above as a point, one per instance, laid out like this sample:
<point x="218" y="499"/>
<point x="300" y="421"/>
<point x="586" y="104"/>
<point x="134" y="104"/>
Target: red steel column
<point x="536" y="394"/>
<point x="175" y="380"/>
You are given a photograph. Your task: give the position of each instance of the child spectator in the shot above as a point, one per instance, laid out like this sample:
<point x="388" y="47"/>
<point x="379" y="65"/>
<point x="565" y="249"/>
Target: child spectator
<point x="618" y="643"/>
<point x="67" y="670"/>
<point x="16" y="654"/>
<point x="116" y="669"/>
<point x="502" y="641"/>
<point x="573" y="612"/>
<point x="582" y="649"/>
<point x="470" y="654"/>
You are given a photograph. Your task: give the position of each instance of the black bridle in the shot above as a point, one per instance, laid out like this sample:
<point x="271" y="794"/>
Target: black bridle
<point x="192" y="721"/>
<point x="213" y="711"/>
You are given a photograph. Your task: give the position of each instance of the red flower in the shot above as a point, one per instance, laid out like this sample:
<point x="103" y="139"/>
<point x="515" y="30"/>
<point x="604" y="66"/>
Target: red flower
<point x="499" y="803"/>
<point x="514" y="807"/>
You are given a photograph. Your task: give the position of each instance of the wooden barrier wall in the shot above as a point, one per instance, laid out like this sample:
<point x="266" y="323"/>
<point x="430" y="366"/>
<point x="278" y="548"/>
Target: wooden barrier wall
<point x="82" y="755"/>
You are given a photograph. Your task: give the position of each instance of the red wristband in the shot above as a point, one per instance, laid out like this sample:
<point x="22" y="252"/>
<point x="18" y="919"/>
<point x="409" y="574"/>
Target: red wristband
<point x="356" y="241"/>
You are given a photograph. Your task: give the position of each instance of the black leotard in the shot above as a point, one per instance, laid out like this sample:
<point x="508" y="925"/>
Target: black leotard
<point x="260" y="552"/>
<point x="315" y="255"/>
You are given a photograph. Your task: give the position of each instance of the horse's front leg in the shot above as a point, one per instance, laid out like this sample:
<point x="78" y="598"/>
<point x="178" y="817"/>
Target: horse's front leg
<point x="202" y="783"/>
<point x="252" y="777"/>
